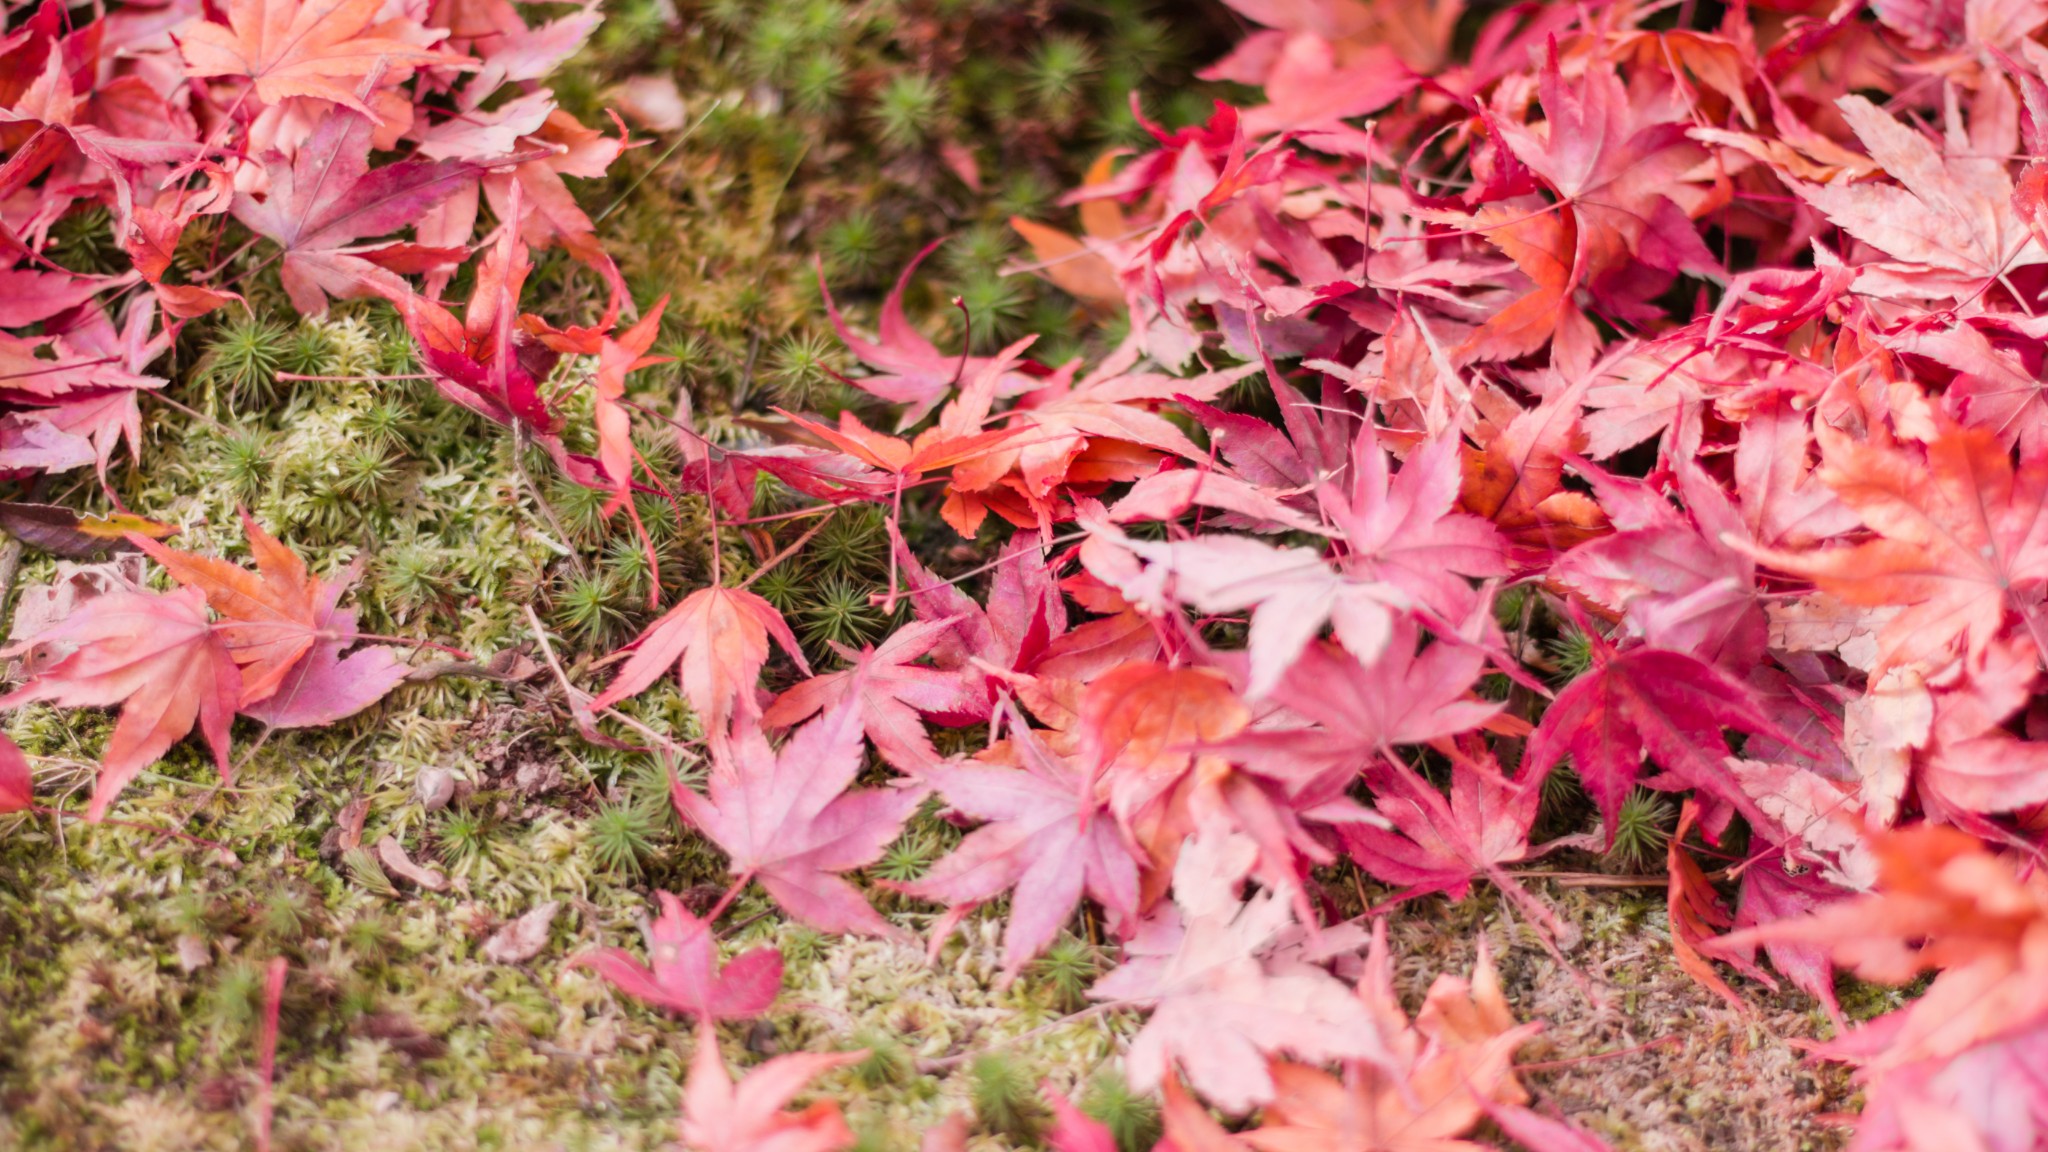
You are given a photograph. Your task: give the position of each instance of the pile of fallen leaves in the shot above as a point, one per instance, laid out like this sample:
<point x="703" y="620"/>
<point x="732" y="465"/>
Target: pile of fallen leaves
<point x="1663" y="329"/>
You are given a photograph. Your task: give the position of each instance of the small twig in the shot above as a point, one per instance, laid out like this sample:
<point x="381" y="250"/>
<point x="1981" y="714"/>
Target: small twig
<point x="778" y="517"/>
<point x="1602" y="880"/>
<point x="351" y="379"/>
<point x="659" y="161"/>
<point x="572" y="692"/>
<point x="465" y="669"/>
<point x="739" y="885"/>
<point x="769" y="564"/>
<point x="941" y="1063"/>
<point x="408" y="641"/>
<point x="738" y="926"/>
<point x="541" y="501"/>
<point x="194" y="413"/>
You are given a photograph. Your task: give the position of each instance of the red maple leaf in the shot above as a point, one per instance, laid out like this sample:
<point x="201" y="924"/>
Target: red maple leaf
<point x="483" y="362"/>
<point x="1665" y="703"/>
<point x="326" y="196"/>
<point x="617" y="356"/>
<point x="1517" y="481"/>
<point x="1614" y="170"/>
<point x="1949" y="224"/>
<point x="1401" y="547"/>
<point x="1440" y="846"/>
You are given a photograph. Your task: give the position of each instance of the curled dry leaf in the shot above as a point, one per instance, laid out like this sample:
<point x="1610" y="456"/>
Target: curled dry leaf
<point x="391" y="854"/>
<point x="524" y="938"/>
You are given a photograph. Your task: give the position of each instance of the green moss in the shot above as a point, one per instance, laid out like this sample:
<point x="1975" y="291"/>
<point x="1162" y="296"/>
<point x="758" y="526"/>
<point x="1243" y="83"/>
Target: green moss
<point x="905" y="110"/>
<point x="839" y="611"/>
<point x="1642" y="829"/>
<point x="1066" y="970"/>
<point x="1005" y="1095"/>
<point x="1132" y="1119"/>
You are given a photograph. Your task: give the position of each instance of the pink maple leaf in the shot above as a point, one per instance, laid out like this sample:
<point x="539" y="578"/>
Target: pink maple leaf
<point x="719" y="1116"/>
<point x="894" y="691"/>
<point x="1405" y="696"/>
<point x="786" y="819"/>
<point x="913" y="372"/>
<point x="324" y="685"/>
<point x="1222" y="995"/>
<point x="17" y="781"/>
<point x="158" y="656"/>
<point x="719" y="637"/>
<point x="1043" y="836"/>
<point x="1402" y="548"/>
<point x="682" y="973"/>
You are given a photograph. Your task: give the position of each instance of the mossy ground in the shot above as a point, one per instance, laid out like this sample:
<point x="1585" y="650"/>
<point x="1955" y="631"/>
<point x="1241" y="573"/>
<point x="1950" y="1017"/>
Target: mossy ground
<point x="130" y="962"/>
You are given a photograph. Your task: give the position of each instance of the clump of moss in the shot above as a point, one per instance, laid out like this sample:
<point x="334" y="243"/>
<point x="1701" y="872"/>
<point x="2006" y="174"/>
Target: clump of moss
<point x="1132" y="1119"/>
<point x="1005" y="1097"/>
<point x="1642" y="829"/>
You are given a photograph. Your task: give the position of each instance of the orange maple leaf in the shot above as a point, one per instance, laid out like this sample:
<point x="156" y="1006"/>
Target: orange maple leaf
<point x="1139" y="727"/>
<point x="1543" y="244"/>
<point x="1086" y="271"/>
<point x="1518" y="480"/>
<point x="1696" y="916"/>
<point x="1444" y="1073"/>
<point x="1943" y="902"/>
<point x="323" y="49"/>
<point x="269" y="616"/>
<point x="1962" y="542"/>
<point x="719" y="637"/>
<point x="616" y="357"/>
<point x="934" y="448"/>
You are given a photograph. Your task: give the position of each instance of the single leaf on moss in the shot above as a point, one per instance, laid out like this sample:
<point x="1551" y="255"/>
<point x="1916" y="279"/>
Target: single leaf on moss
<point x="718" y="640"/>
<point x="786" y="819"/>
<point x="719" y="1116"/>
<point x="157" y="656"/>
<point x="682" y="973"/>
